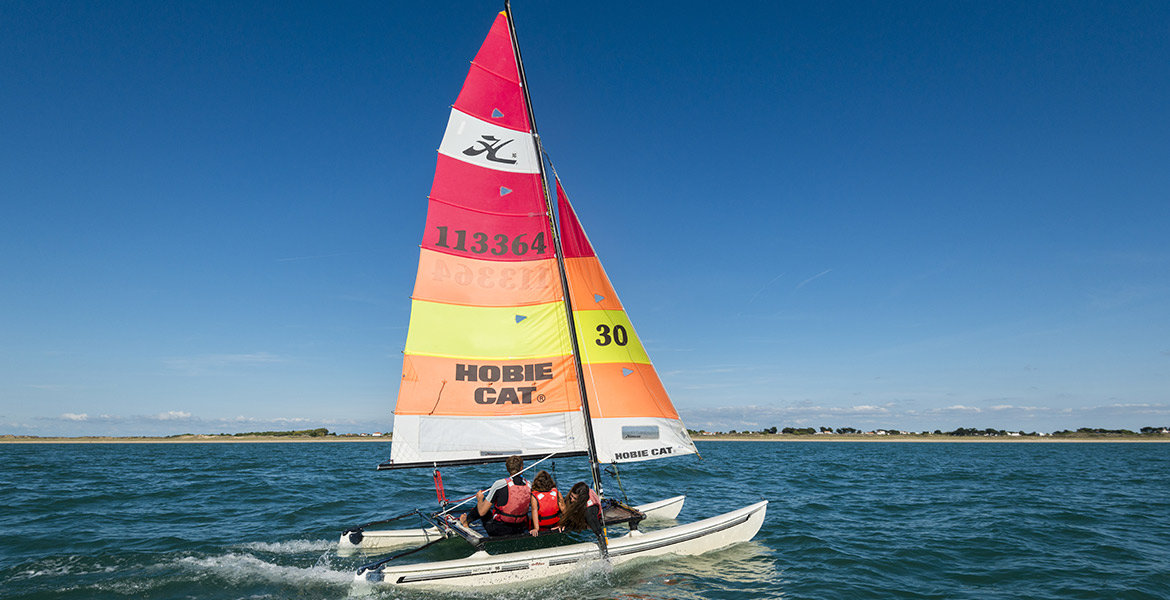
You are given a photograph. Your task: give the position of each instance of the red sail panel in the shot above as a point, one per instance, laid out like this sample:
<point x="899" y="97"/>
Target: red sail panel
<point x="475" y="187"/>
<point x="573" y="241"/>
<point x="496" y="54"/>
<point x="490" y="98"/>
<point x="486" y="236"/>
<point x="492" y="90"/>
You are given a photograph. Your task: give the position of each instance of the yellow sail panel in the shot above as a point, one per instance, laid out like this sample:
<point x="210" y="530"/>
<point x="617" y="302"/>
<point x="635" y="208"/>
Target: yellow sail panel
<point x="456" y="331"/>
<point x="606" y="336"/>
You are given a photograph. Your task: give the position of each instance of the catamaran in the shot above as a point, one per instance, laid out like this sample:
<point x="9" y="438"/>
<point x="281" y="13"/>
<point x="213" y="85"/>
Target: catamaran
<point x="518" y="345"/>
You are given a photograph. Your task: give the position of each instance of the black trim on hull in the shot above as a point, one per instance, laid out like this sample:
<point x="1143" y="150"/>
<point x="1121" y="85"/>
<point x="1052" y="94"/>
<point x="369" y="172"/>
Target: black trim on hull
<point x="507" y="569"/>
<point x="521" y="566"/>
<point x="475" y="461"/>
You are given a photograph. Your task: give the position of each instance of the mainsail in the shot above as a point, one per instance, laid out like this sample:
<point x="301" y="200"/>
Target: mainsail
<point x="489" y="368"/>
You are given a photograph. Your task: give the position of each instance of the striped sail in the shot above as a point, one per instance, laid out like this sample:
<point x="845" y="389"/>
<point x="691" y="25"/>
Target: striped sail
<point x="632" y="417"/>
<point x="488" y="368"/>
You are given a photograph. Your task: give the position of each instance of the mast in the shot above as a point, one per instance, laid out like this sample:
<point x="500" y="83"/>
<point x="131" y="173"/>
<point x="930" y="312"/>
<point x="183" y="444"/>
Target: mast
<point x="593" y="465"/>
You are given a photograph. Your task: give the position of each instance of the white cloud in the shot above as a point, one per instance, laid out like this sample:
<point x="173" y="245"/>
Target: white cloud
<point x="958" y="408"/>
<point x="864" y="408"/>
<point x="905" y="414"/>
<point x="75" y="417"/>
<point x="1010" y="407"/>
<point x="172" y="415"/>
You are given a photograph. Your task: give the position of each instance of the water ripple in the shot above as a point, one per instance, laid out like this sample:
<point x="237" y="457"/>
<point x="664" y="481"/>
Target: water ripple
<point x="846" y="520"/>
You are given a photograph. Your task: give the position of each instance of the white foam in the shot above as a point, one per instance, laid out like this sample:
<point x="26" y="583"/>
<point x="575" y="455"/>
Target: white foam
<point x="245" y="567"/>
<point x="290" y="547"/>
<point x="57" y="568"/>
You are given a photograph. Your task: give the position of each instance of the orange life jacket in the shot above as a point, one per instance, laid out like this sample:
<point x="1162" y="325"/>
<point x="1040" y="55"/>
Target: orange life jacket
<point x="547" y="508"/>
<point x="516" y="509"/>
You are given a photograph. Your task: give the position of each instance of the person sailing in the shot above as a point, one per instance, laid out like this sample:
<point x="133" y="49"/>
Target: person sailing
<point x="547" y="503"/>
<point x="504" y="509"/>
<point x="582" y="510"/>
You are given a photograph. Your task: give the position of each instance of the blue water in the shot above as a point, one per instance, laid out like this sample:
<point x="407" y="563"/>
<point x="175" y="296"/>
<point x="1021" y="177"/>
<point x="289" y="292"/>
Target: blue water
<point x="846" y="520"/>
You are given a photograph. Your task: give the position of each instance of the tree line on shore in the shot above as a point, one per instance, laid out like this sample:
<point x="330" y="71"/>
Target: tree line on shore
<point x="319" y="432"/>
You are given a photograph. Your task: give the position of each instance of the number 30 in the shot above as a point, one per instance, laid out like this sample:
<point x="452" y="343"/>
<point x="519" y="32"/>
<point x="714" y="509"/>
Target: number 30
<point x="619" y="337"/>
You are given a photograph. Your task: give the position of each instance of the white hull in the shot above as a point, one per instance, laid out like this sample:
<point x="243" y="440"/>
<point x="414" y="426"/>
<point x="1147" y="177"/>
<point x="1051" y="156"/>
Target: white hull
<point x="483" y="569"/>
<point x="387" y="539"/>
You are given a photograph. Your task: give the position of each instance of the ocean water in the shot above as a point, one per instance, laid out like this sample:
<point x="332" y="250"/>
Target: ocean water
<point x="845" y="520"/>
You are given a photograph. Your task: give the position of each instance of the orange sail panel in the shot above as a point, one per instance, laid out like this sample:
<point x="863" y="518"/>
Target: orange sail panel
<point x="488" y="367"/>
<point x="632" y="417"/>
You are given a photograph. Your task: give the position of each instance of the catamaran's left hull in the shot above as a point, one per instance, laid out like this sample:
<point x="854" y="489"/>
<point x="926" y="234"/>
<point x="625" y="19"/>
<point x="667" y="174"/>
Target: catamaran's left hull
<point x="483" y="569"/>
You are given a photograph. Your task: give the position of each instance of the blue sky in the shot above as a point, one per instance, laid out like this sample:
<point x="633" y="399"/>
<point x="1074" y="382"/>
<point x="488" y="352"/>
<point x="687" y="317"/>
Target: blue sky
<point x="912" y="215"/>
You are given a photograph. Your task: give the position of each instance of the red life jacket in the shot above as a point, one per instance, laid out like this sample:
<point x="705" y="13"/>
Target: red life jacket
<point x="516" y="510"/>
<point x="594" y="500"/>
<point x="547" y="508"/>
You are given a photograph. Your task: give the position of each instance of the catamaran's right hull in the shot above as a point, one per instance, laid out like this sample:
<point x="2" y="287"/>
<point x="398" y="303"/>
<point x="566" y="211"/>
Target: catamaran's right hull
<point x="483" y="569"/>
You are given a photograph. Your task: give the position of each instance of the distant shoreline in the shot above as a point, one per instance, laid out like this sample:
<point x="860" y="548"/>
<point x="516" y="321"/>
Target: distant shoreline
<point x="934" y="439"/>
<point x="193" y="439"/>
<point x="257" y="439"/>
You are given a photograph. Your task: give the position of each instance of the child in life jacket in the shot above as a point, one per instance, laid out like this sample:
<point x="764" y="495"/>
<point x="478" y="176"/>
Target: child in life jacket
<point x="582" y="510"/>
<point x="546" y="503"/>
<point x="504" y="510"/>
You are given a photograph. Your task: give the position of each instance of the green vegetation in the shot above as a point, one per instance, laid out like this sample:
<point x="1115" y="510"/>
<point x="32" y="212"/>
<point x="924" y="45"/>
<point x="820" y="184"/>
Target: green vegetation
<point x="319" y="432"/>
<point x="1091" y="432"/>
<point x="963" y="432"/>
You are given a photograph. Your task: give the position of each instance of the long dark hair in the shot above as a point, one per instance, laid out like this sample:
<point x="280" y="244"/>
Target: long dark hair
<point x="574" y="517"/>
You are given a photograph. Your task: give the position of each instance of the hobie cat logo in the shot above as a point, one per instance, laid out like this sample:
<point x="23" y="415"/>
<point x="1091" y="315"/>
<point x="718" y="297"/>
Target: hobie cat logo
<point x="490" y="374"/>
<point x="491" y="145"/>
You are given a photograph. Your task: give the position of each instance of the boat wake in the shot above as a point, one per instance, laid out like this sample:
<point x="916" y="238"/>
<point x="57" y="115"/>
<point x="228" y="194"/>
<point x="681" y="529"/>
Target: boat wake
<point x="239" y="568"/>
<point x="290" y="546"/>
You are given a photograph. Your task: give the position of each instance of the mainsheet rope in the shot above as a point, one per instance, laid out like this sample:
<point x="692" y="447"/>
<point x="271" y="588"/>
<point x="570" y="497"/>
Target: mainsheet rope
<point x="495" y="486"/>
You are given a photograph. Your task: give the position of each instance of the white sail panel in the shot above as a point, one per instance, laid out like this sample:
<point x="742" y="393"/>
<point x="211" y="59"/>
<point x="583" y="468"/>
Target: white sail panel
<point x="426" y="438"/>
<point x="490" y="146"/>
<point x="632" y="439"/>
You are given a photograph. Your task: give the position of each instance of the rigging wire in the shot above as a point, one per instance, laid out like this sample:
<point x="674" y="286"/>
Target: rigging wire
<point x="613" y="471"/>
